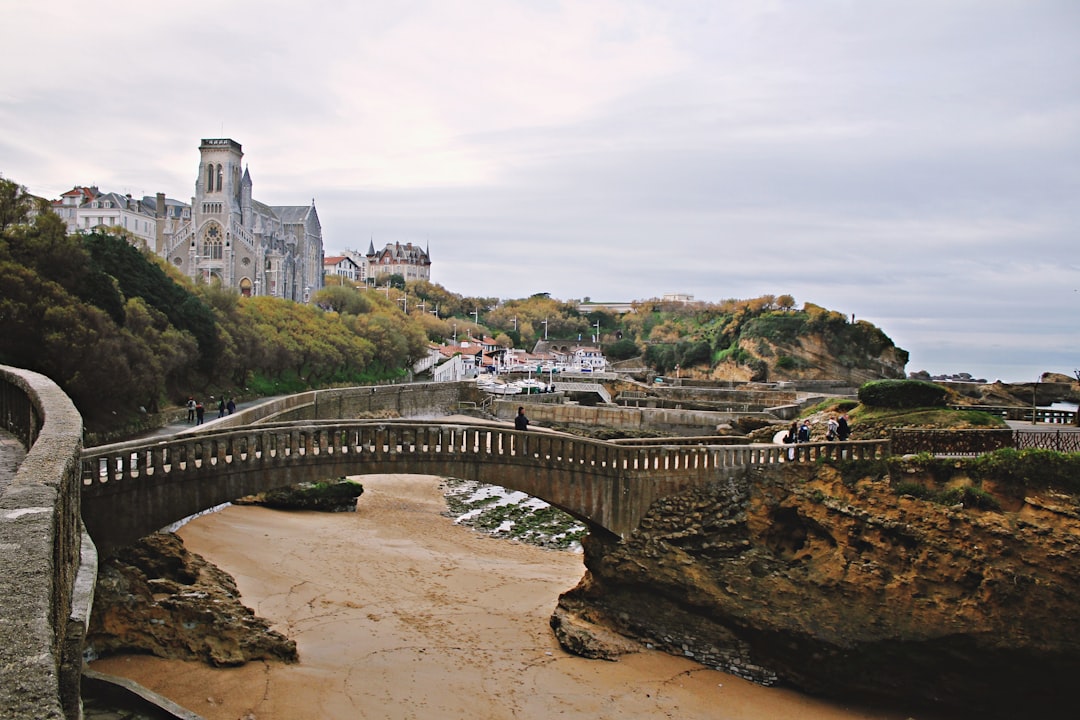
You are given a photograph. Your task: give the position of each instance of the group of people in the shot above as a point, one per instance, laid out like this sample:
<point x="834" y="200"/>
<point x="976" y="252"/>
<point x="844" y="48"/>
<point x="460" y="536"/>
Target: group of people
<point x="196" y="411"/>
<point x="837" y="428"/>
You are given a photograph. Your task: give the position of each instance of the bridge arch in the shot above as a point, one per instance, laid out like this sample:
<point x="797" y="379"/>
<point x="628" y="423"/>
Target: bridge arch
<point x="132" y="489"/>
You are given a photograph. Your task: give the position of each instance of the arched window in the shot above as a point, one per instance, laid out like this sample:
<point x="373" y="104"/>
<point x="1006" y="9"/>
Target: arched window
<point x="219" y="174"/>
<point x="212" y="247"/>
<point x="210" y="178"/>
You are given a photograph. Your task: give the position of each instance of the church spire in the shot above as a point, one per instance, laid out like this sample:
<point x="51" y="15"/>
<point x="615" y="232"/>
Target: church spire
<point x="371" y="247"/>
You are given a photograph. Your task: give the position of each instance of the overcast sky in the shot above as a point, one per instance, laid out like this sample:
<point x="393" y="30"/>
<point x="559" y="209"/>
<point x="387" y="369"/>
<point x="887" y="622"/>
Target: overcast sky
<point x="913" y="163"/>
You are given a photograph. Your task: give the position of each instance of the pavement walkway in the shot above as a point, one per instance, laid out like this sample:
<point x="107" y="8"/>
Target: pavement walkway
<point x="1028" y="426"/>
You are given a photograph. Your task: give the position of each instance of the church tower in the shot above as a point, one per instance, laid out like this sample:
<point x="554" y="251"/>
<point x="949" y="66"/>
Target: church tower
<point x="234" y="240"/>
<point x="218" y="208"/>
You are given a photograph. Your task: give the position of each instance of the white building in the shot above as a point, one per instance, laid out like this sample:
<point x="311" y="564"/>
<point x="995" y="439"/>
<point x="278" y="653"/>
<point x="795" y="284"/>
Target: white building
<point x="588" y="358"/>
<point x="341" y="265"/>
<point x="87" y="209"/>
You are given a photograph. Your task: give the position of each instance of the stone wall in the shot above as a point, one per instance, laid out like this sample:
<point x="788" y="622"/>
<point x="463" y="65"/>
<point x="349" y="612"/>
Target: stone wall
<point x="415" y="400"/>
<point x="683" y="422"/>
<point x="42" y="621"/>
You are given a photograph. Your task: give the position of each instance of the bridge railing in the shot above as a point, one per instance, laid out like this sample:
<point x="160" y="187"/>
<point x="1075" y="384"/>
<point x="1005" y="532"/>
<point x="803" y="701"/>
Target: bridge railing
<point x="277" y="443"/>
<point x="43" y="610"/>
<point x="1049" y="416"/>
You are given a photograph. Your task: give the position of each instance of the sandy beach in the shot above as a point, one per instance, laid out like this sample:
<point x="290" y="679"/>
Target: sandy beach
<point x="398" y="613"/>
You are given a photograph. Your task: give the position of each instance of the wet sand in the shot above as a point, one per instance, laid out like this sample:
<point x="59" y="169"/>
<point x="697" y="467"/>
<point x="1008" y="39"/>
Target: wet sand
<point x="399" y="614"/>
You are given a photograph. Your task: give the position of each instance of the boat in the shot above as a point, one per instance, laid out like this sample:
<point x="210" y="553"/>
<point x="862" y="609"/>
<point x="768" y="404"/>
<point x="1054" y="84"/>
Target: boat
<point x="495" y="387"/>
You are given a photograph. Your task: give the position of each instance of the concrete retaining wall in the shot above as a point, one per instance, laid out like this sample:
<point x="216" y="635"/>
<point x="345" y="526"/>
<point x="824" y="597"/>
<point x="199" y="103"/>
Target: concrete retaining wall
<point x="685" y="422"/>
<point x="42" y="623"/>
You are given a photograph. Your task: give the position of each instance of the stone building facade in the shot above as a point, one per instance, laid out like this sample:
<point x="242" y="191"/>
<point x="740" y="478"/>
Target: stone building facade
<point x="240" y="242"/>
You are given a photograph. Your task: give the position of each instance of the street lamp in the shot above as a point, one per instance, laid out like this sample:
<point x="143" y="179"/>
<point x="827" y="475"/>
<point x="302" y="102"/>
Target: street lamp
<point x="404" y="300"/>
<point x="1034" y="393"/>
<point x="544" y="322"/>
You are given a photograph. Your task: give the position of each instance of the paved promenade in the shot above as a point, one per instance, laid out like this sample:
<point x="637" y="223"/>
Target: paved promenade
<point x="1028" y="426"/>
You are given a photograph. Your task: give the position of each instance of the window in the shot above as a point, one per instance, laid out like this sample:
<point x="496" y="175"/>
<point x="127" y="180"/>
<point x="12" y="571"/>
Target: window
<point x="219" y="174"/>
<point x="212" y="246"/>
<point x="209" y="178"/>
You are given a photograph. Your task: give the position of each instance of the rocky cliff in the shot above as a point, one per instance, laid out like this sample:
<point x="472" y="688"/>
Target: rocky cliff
<point x="841" y="587"/>
<point x="156" y="597"/>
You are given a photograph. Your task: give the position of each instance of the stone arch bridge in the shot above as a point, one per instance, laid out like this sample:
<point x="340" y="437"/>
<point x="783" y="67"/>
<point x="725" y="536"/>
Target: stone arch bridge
<point x="132" y="489"/>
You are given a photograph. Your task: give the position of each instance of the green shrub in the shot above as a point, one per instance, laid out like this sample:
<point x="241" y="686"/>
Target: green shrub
<point x="969" y="497"/>
<point x="902" y="394"/>
<point x="622" y="349"/>
<point x="941" y="469"/>
<point x="914" y="489"/>
<point x="1028" y="468"/>
<point x="778" y="327"/>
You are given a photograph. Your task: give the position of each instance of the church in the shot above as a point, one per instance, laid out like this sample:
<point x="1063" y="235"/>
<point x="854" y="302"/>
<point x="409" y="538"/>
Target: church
<point x="240" y="242"/>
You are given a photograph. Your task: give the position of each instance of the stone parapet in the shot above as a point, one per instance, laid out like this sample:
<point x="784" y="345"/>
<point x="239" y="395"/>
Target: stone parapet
<point x="40" y="535"/>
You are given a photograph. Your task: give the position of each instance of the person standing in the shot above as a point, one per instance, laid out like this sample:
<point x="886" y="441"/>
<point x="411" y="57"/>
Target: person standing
<point x="521" y="422"/>
<point x="832" y="428"/>
<point x="199" y="412"/>
<point x="221" y="406"/>
<point x="190" y="409"/>
<point x="804" y="432"/>
<point x="843" y="430"/>
<point x="231" y="407"/>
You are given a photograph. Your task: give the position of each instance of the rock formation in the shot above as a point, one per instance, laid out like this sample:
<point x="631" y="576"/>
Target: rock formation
<point x="839" y="586"/>
<point x="335" y="496"/>
<point x="156" y="597"/>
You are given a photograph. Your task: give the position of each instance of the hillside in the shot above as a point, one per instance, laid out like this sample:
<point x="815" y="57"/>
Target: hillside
<point x="763" y="339"/>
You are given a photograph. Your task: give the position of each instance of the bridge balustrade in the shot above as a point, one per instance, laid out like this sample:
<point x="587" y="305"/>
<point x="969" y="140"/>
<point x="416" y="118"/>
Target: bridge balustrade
<point x="131" y="489"/>
<point x="270" y="446"/>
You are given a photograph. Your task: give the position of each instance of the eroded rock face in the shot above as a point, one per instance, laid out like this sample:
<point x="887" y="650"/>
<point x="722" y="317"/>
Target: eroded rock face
<point x="156" y="597"/>
<point x="845" y="589"/>
<point x="334" y="496"/>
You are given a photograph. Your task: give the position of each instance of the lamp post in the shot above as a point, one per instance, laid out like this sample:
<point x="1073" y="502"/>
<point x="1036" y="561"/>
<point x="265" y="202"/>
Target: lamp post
<point x="1034" y="394"/>
<point x="404" y="300"/>
<point x="545" y="323"/>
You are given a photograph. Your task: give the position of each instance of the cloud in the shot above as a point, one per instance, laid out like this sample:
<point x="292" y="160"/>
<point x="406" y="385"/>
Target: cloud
<point x="912" y="163"/>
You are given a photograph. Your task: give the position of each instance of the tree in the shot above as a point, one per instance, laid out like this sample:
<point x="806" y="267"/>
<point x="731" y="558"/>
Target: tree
<point x="16" y="205"/>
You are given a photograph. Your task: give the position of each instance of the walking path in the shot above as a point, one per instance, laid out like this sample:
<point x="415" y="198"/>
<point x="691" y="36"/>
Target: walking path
<point x="1028" y="426"/>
